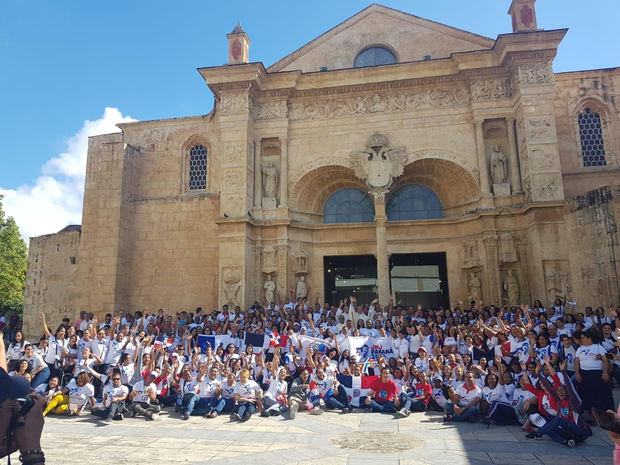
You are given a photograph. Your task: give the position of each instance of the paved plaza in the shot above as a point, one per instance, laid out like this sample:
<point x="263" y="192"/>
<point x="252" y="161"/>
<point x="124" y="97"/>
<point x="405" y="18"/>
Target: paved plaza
<point x="330" y="439"/>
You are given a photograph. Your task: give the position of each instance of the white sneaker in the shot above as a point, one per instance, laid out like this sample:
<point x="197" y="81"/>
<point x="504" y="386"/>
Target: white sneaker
<point x="294" y="409"/>
<point x="316" y="411"/>
<point x="155" y="416"/>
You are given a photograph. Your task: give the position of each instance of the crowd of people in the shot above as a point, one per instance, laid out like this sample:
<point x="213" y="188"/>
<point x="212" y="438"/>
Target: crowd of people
<point x="549" y="369"/>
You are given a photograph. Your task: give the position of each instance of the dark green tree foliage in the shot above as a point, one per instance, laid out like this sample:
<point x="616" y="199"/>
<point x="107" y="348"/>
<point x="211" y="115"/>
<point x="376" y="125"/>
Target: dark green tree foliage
<point x="13" y="261"/>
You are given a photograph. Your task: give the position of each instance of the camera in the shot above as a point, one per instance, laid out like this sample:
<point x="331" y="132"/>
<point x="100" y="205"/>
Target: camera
<point x="25" y="405"/>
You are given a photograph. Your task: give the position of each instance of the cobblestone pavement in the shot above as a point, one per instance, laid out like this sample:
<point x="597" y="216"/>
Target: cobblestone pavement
<point x="329" y="439"/>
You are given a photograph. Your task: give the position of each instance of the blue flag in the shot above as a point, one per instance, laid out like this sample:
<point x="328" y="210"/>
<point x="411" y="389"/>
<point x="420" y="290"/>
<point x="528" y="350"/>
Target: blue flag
<point x="255" y="340"/>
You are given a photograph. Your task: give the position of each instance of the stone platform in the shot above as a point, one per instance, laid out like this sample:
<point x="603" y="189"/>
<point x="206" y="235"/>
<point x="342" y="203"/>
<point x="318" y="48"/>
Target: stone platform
<point x="330" y="439"/>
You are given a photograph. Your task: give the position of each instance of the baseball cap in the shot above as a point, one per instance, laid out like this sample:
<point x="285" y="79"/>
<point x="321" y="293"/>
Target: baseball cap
<point x="12" y="387"/>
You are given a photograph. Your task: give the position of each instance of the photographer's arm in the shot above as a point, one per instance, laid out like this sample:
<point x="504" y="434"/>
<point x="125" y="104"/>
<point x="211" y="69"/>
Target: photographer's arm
<point x="3" y="364"/>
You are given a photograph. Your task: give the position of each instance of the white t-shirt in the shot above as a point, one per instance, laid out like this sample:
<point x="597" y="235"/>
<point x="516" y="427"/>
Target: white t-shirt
<point x="56" y="348"/>
<point x="110" y="391"/>
<point x="228" y="391"/>
<point x="190" y="387"/>
<point x="466" y="396"/>
<point x="247" y="390"/>
<point x="587" y="357"/>
<point x="35" y="361"/>
<point x="498" y="393"/>
<point x="208" y="388"/>
<point x="520" y="396"/>
<point x="143" y="391"/>
<point x="324" y="385"/>
<point x="80" y="394"/>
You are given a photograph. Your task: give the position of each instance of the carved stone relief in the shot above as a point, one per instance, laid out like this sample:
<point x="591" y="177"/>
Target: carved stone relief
<point x="507" y="251"/>
<point x="231" y="286"/>
<point x="511" y="289"/>
<point x="269" y="110"/>
<point x="540" y="128"/>
<point x="547" y="187"/>
<point x="381" y="102"/>
<point x="233" y="204"/>
<point x="491" y="88"/>
<point x="474" y="286"/>
<point x="232" y="153"/>
<point x="471" y="256"/>
<point x="557" y="279"/>
<point x="535" y="73"/>
<point x="269" y="287"/>
<point x="232" y="179"/>
<point x="234" y="103"/>
<point x="543" y="159"/>
<point x="379" y="164"/>
<point x="269" y="258"/>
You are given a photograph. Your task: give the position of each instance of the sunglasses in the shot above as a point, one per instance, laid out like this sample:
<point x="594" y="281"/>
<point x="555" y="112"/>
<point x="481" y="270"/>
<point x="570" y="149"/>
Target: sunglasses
<point x="116" y="379"/>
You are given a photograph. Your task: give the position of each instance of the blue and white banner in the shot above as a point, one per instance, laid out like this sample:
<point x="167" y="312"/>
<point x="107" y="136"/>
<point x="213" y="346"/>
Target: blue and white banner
<point x="366" y="347"/>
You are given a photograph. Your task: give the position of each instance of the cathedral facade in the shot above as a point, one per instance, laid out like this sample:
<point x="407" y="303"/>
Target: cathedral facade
<point x="392" y="156"/>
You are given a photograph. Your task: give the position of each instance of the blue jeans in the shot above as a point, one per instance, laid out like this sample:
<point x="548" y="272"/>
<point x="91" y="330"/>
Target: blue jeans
<point x="216" y="405"/>
<point x="246" y="408"/>
<point x="339" y="401"/>
<point x="470" y="412"/>
<point x="190" y="402"/>
<point x="409" y="403"/>
<point x="383" y="407"/>
<point x="561" y="430"/>
<point x="41" y="377"/>
<point x="229" y="405"/>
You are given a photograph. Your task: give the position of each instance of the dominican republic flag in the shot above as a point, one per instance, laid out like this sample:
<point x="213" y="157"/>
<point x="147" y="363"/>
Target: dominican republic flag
<point x="162" y="342"/>
<point x="318" y="345"/>
<point x="278" y="340"/>
<point x="356" y="387"/>
<point x="255" y="340"/>
<point x="213" y="341"/>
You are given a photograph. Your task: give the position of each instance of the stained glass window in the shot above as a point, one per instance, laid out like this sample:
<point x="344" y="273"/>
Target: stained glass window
<point x="198" y="167"/>
<point x="413" y="202"/>
<point x="591" y="138"/>
<point x="349" y="206"/>
<point x="374" y="56"/>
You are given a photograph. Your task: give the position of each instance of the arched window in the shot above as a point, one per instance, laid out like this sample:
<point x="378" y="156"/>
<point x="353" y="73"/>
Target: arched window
<point x="413" y="202"/>
<point x="374" y="56"/>
<point x="198" y="167"/>
<point x="349" y="206"/>
<point x="591" y="138"/>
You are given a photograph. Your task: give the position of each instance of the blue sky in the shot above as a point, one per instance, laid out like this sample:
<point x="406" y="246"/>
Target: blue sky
<point x="64" y="62"/>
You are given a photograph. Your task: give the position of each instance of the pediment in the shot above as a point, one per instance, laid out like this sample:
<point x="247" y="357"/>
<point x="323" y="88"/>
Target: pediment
<point x="408" y="37"/>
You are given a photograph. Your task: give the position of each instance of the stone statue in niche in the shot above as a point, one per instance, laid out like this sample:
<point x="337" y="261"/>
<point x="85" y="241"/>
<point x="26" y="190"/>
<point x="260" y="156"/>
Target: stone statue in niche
<point x="232" y="284"/>
<point x="511" y="286"/>
<point x="474" y="287"/>
<point x="302" y="288"/>
<point x="270" y="289"/>
<point x="270" y="180"/>
<point x="497" y="161"/>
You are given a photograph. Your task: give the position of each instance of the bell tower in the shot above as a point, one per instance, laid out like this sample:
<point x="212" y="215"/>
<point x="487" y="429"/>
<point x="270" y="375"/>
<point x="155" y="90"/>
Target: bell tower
<point x="238" y="46"/>
<point x="523" y="14"/>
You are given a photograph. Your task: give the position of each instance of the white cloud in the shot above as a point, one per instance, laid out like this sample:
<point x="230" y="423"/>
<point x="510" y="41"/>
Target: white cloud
<point x="55" y="199"/>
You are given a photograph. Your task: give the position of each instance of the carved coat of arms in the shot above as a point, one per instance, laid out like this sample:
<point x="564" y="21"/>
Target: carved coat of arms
<point x="379" y="164"/>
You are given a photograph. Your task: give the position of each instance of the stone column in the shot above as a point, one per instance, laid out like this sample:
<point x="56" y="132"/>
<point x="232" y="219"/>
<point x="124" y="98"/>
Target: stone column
<point x="515" y="175"/>
<point x="383" y="268"/>
<point x="482" y="160"/>
<point x="493" y="293"/>
<point x="258" y="184"/>
<point x="524" y="260"/>
<point x="283" y="172"/>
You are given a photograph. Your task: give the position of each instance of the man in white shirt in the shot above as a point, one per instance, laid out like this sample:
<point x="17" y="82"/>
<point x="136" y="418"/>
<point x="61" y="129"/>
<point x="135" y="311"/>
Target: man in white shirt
<point x="464" y="400"/>
<point x="144" y="398"/>
<point x="114" y="396"/>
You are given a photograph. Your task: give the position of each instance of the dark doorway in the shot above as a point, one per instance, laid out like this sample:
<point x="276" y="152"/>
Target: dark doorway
<point x="420" y="278"/>
<point x="350" y="275"/>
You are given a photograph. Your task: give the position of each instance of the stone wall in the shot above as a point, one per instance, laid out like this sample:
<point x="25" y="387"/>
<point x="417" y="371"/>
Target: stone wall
<point x="50" y="286"/>
<point x="593" y="241"/>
